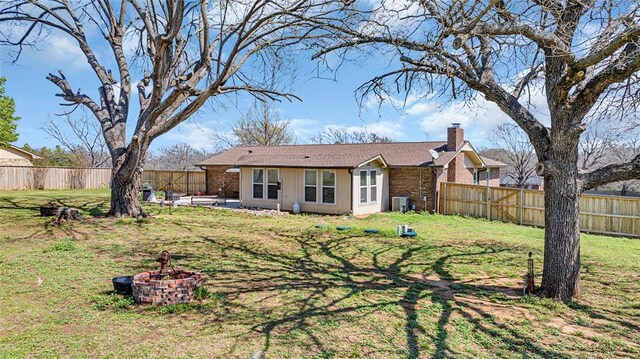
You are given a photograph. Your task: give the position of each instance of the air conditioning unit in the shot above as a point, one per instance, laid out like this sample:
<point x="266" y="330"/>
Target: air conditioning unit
<point x="400" y="204"/>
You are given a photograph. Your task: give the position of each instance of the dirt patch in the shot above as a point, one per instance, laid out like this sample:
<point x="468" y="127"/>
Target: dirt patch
<point x="441" y="287"/>
<point x="73" y="329"/>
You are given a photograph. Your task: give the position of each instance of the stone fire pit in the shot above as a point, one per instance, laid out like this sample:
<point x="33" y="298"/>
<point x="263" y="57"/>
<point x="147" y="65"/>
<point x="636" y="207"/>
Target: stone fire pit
<point x="178" y="286"/>
<point x="165" y="286"/>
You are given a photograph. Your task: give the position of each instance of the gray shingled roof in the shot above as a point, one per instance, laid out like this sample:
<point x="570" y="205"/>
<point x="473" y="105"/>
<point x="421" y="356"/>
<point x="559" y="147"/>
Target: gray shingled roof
<point x="396" y="154"/>
<point x="408" y="154"/>
<point x="492" y="163"/>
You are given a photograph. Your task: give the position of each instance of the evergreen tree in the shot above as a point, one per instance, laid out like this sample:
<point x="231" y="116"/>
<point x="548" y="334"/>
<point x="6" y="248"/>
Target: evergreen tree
<point x="8" y="121"/>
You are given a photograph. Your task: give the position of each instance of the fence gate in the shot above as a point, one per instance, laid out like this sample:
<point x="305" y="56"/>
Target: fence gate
<point x="177" y="181"/>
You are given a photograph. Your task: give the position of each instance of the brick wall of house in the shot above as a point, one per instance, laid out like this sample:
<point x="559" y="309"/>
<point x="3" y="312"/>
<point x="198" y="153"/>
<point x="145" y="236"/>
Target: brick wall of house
<point x="494" y="177"/>
<point x="408" y="182"/>
<point x="457" y="172"/>
<point x="217" y="177"/>
<point x="455" y="138"/>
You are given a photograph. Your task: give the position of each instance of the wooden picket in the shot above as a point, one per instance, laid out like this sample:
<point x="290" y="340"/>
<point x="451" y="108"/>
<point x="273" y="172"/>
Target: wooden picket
<point x="185" y="182"/>
<point x="614" y="215"/>
<point x="28" y="177"/>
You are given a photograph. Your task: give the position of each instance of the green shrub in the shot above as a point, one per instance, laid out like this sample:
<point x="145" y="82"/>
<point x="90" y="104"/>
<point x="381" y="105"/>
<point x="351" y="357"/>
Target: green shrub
<point x="64" y="246"/>
<point x="210" y="268"/>
<point x="202" y="293"/>
<point x="112" y="301"/>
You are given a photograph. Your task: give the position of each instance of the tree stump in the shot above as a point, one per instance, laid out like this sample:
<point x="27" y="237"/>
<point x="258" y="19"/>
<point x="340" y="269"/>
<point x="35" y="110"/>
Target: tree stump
<point x="67" y="214"/>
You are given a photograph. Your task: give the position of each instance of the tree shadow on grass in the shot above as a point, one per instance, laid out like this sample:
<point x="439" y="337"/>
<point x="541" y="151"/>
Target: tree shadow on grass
<point x="320" y="266"/>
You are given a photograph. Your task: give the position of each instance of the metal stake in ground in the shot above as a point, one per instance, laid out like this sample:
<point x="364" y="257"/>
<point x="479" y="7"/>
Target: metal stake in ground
<point x="531" y="287"/>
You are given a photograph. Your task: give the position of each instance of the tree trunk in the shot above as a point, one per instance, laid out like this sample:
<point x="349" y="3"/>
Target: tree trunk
<point x="125" y="185"/>
<point x="561" y="271"/>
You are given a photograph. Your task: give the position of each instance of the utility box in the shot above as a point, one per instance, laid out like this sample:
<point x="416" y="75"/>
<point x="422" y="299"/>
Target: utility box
<point x="146" y="191"/>
<point x="400" y="204"/>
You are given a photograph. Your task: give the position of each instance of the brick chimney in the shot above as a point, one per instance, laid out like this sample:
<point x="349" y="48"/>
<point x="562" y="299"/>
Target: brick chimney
<point x="455" y="137"/>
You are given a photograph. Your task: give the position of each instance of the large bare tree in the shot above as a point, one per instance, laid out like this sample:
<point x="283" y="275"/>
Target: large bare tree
<point x="82" y="137"/>
<point x="625" y="150"/>
<point x="597" y="140"/>
<point x="518" y="155"/>
<point x="333" y="135"/>
<point x="178" y="157"/>
<point x="579" y="55"/>
<point x="261" y="125"/>
<point x="187" y="52"/>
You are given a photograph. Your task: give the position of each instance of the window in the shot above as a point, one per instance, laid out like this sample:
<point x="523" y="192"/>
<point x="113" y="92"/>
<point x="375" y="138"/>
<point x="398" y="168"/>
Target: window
<point x="373" y="186"/>
<point x="258" y="183"/>
<point x="272" y="184"/>
<point x="273" y="176"/>
<point x="475" y="177"/>
<point x="328" y="187"/>
<point x="363" y="186"/>
<point x="311" y="186"/>
<point x="368" y="186"/>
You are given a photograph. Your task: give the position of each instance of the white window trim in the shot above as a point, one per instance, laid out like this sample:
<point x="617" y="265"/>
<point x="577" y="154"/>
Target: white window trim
<point x="476" y="177"/>
<point x="266" y="193"/>
<point x="254" y="183"/>
<point x="322" y="186"/>
<point x="368" y="187"/>
<point x="372" y="186"/>
<point x="304" y="185"/>
<point x="265" y="184"/>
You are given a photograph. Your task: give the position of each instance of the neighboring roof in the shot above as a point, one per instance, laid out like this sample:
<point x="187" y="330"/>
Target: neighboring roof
<point x="398" y="154"/>
<point x="18" y="149"/>
<point x="446" y="157"/>
<point x="533" y="180"/>
<point x="492" y="163"/>
<point x="393" y="154"/>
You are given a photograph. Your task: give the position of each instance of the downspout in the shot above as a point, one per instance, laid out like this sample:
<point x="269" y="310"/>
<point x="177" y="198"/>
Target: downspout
<point x="435" y="189"/>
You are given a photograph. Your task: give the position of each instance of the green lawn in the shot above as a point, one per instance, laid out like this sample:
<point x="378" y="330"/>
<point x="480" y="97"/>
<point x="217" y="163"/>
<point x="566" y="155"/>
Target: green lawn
<point x="294" y="291"/>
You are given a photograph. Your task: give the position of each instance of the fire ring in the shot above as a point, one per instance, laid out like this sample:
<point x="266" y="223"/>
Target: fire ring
<point x="164" y="286"/>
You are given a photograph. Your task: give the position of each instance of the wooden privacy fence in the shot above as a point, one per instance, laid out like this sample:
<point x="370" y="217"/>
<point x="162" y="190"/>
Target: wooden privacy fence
<point x="598" y="214"/>
<point x="178" y="181"/>
<point x="28" y="177"/>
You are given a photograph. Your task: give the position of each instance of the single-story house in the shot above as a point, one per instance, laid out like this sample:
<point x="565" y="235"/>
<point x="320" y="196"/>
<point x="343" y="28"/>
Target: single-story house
<point x="348" y="178"/>
<point x="533" y="182"/>
<point x="15" y="156"/>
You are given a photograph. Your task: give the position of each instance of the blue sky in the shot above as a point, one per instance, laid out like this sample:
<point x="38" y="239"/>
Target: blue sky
<point x="325" y="103"/>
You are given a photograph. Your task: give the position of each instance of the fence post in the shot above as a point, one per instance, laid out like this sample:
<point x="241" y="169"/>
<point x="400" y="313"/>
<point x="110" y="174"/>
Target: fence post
<point x="444" y="200"/>
<point x="521" y="206"/>
<point x="187" y="186"/>
<point x="489" y="203"/>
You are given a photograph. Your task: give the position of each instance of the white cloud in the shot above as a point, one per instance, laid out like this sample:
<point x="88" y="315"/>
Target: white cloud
<point x="421" y="108"/>
<point x="374" y="101"/>
<point x="197" y="135"/>
<point x="478" y="122"/>
<point x="479" y="119"/>
<point x="391" y="15"/>
<point x="304" y="128"/>
<point x="62" y="50"/>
